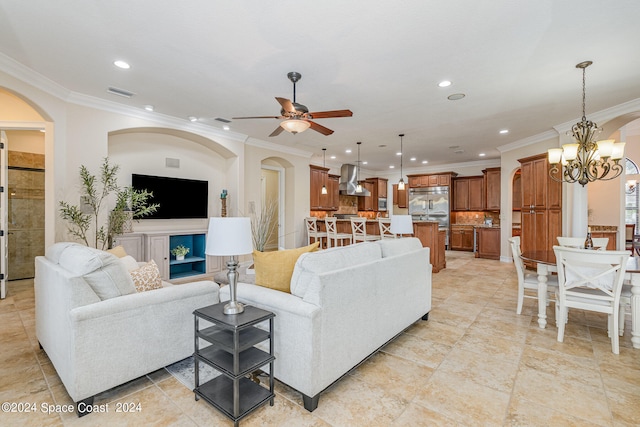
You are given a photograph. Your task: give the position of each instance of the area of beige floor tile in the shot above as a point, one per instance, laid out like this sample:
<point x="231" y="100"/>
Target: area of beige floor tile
<point x="474" y="362"/>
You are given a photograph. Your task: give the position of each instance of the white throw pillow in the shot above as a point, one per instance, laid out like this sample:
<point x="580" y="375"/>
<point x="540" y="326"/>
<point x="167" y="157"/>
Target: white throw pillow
<point x="129" y="263"/>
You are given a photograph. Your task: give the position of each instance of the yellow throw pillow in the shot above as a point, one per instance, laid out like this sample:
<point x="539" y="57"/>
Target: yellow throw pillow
<point x="274" y="269"/>
<point x="147" y="277"/>
<point x="118" y="251"/>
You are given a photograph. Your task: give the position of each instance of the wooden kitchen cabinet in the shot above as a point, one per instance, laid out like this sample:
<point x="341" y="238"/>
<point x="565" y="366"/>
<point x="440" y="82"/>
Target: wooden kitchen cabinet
<point x="492" y="189"/>
<point x="461" y="238"/>
<point x="468" y="194"/>
<point x="431" y="237"/>
<point x="488" y="241"/>
<point x="366" y="203"/>
<point x="541" y="208"/>
<point x="333" y="188"/>
<point x="611" y="235"/>
<point x="323" y="202"/>
<point x="378" y="189"/>
<point x="431" y="180"/>
<point x="400" y="197"/>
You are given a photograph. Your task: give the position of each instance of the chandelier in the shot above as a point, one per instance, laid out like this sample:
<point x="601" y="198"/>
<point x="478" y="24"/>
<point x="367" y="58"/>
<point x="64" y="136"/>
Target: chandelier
<point x="585" y="160"/>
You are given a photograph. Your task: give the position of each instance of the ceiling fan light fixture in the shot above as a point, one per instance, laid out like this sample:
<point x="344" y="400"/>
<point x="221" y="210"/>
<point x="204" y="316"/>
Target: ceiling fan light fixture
<point x="295" y="125"/>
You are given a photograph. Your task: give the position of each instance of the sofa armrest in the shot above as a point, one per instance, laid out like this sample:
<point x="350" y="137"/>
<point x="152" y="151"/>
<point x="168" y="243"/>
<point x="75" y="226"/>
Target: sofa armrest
<point x="272" y="300"/>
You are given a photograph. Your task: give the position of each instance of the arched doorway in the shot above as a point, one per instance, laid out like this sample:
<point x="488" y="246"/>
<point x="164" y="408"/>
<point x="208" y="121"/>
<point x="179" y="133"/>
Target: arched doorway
<point x="22" y="200"/>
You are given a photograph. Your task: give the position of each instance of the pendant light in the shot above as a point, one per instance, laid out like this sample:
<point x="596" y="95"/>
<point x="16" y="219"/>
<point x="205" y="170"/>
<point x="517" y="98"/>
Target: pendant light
<point x="324" y="158"/>
<point x="401" y="182"/>
<point x="359" y="186"/>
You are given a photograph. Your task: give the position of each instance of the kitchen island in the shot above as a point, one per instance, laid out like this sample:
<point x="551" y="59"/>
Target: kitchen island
<point x="426" y="231"/>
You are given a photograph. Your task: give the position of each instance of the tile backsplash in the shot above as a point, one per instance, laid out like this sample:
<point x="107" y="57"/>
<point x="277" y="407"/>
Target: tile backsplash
<point x="474" y="218"/>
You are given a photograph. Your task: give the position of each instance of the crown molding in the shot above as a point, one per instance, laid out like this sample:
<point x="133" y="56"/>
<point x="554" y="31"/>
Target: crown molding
<point x="27" y="75"/>
<point x="277" y="147"/>
<point x="544" y="136"/>
<point x="603" y="116"/>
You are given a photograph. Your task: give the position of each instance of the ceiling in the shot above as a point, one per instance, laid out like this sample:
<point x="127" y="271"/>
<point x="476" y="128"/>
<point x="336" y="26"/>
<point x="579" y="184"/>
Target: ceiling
<point x="514" y="61"/>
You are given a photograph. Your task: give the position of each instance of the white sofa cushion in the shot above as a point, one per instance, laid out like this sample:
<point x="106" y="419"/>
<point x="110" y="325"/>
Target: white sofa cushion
<point x="310" y="265"/>
<point x="392" y="247"/>
<point x="104" y="272"/>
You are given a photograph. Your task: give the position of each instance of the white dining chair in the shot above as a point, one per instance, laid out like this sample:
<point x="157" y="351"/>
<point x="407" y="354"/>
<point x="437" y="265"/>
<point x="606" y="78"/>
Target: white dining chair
<point x="590" y="280"/>
<point x="385" y="229"/>
<point x="359" y="230"/>
<point x="578" y="242"/>
<point x="528" y="281"/>
<point x="312" y="231"/>
<point x="333" y="235"/>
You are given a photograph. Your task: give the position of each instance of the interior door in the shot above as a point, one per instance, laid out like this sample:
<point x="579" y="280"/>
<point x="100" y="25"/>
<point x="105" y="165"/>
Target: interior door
<point x="3" y="215"/>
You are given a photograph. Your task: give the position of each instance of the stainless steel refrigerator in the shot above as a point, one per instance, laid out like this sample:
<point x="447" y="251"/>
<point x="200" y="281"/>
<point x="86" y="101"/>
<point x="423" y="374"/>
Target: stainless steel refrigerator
<point x="431" y="204"/>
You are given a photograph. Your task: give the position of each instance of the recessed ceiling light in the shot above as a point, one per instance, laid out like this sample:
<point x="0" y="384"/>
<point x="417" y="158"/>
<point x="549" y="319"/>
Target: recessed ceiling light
<point x="348" y="150"/>
<point x="193" y="118"/>
<point x="225" y="127"/>
<point x="444" y="83"/>
<point x="121" y="64"/>
<point x="391" y="167"/>
<point x="482" y="154"/>
<point x="364" y="163"/>
<point x="503" y="131"/>
<point x="148" y="107"/>
<point x="399" y="153"/>
<point x="456" y="96"/>
<point x="413" y="159"/>
<point x="424" y="162"/>
<point x="333" y="157"/>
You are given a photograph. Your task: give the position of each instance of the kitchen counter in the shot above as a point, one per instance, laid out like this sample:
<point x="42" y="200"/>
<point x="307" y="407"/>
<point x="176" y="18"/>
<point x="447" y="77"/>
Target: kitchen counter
<point x="427" y="231"/>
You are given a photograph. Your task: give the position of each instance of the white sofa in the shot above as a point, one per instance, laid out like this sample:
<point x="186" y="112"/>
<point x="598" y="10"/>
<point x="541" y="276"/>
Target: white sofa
<point x="345" y="304"/>
<point x="98" y="331"/>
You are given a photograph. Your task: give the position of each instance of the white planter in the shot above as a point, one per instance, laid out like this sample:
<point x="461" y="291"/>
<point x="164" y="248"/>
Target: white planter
<point x="179" y="257"/>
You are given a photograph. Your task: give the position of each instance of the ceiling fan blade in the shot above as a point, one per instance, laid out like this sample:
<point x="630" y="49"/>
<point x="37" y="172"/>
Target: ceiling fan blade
<point x="286" y="104"/>
<point x="258" y="117"/>
<point x="329" y="114"/>
<point x="319" y="128"/>
<point x="277" y="131"/>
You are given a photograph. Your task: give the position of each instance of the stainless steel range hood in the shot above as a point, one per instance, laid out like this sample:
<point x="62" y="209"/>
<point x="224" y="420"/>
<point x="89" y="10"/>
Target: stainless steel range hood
<point x="349" y="181"/>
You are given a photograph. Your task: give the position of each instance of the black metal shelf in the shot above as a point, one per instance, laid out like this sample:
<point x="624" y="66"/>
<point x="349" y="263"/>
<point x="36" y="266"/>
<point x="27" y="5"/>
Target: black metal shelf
<point x="233" y="393"/>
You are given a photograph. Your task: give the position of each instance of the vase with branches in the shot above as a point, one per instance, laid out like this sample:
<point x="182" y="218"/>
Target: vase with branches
<point x="263" y="225"/>
<point x="95" y="194"/>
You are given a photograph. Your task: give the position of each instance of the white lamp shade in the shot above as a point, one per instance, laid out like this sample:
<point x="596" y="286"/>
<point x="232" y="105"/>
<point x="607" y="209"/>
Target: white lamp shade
<point x="570" y="151"/>
<point x="229" y="236"/>
<point x="401" y="224"/>
<point x="618" y="151"/>
<point x="605" y="147"/>
<point x="555" y="155"/>
<point x="295" y="125"/>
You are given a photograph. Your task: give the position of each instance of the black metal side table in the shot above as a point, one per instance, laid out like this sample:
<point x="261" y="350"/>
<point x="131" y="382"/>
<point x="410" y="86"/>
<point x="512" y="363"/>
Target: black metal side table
<point x="232" y="352"/>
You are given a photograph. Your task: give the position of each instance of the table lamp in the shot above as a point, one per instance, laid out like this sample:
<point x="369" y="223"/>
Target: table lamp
<point x="230" y="236"/>
<point x="401" y="224"/>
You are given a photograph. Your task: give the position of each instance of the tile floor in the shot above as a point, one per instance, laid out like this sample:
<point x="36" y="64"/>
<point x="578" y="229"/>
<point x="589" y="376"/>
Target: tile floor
<point x="474" y="363"/>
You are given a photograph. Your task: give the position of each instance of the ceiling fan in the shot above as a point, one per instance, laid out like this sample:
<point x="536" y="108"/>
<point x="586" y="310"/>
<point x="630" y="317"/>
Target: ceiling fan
<point x="297" y="117"/>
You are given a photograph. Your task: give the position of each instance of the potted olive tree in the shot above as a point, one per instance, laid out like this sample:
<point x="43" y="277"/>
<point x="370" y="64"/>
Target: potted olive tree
<point x="95" y="194"/>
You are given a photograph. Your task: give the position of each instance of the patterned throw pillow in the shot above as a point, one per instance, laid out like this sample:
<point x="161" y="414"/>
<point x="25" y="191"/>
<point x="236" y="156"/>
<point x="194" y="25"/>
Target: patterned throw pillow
<point x="147" y="277"/>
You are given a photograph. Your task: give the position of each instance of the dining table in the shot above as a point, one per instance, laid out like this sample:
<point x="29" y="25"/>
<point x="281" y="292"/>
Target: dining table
<point x="546" y="265"/>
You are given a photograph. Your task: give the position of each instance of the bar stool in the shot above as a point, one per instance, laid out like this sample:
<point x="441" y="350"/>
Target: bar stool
<point x="385" y="229"/>
<point x="332" y="233"/>
<point x="313" y="233"/>
<point x="359" y="231"/>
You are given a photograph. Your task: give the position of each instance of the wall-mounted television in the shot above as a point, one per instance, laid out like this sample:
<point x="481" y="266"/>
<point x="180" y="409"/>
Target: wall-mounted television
<point x="179" y="198"/>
